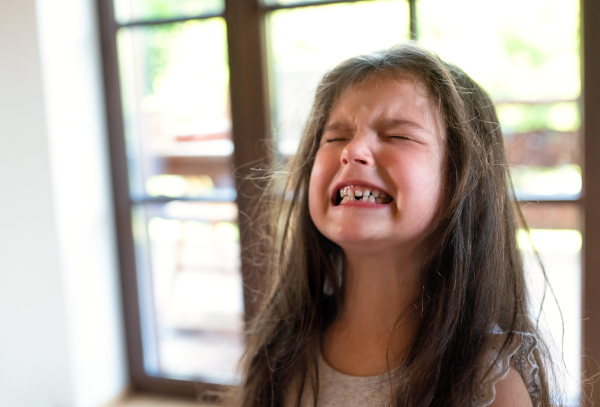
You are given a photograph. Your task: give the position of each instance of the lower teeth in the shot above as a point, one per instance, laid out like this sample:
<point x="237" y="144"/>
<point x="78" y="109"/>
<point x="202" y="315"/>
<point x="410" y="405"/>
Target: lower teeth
<point x="370" y="199"/>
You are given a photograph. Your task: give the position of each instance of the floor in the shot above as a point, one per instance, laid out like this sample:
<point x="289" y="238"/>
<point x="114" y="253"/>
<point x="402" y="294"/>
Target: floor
<point x="142" y="400"/>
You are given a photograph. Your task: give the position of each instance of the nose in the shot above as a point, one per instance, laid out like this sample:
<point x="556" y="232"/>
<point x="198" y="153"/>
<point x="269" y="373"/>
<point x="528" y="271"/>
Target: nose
<point x="357" y="151"/>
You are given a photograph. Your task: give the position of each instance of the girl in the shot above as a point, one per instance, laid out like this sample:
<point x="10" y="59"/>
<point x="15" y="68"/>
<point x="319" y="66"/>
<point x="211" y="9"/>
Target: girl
<point x="395" y="278"/>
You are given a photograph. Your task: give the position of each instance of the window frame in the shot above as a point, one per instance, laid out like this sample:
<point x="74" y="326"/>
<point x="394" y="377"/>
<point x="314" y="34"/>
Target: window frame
<point x="244" y="35"/>
<point x="590" y="136"/>
<point x="250" y="111"/>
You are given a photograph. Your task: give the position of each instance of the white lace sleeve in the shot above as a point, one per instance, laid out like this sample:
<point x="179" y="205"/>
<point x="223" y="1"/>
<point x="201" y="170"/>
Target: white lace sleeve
<point x="520" y="351"/>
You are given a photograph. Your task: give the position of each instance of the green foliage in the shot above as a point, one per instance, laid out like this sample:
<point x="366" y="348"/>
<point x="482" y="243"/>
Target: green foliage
<point x="136" y="10"/>
<point x="518" y="47"/>
<point x="158" y="41"/>
<point x="525" y="118"/>
<point x="517" y="50"/>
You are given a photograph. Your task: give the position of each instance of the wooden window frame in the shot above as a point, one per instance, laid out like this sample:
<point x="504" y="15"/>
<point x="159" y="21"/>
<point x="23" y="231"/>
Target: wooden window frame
<point x="590" y="125"/>
<point x="245" y="20"/>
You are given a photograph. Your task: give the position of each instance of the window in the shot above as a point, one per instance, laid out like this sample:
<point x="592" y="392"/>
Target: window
<point x="515" y="56"/>
<point x="195" y="90"/>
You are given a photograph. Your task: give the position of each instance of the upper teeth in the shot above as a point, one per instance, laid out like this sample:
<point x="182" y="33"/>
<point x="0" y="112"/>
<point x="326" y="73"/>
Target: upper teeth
<point x="350" y="192"/>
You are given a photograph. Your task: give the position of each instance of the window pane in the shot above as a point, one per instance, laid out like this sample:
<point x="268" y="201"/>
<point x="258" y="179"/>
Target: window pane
<point x="136" y="10"/>
<point x="517" y="49"/>
<point x="542" y="144"/>
<point x="299" y="57"/>
<point x="193" y="308"/>
<point x="555" y="234"/>
<point x="177" y="123"/>
<point x="175" y="95"/>
<point x="552" y="215"/>
<point x="526" y="54"/>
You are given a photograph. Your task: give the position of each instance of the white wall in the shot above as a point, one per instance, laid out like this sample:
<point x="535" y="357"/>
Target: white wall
<point x="61" y="341"/>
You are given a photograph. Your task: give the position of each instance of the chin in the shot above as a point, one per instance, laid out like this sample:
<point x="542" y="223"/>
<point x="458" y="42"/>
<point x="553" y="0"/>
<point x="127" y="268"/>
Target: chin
<point x="350" y="239"/>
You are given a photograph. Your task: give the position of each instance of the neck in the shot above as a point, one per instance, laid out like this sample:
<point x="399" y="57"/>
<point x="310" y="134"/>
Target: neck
<point x="377" y="322"/>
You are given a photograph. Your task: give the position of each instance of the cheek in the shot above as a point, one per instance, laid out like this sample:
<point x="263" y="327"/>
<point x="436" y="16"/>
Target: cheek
<point x="312" y="198"/>
<point x="316" y="190"/>
<point x="433" y="189"/>
<point x="424" y="182"/>
<point x="322" y="175"/>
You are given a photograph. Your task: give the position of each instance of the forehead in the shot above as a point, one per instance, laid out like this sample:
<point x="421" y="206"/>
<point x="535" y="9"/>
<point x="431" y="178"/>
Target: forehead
<point x="384" y="97"/>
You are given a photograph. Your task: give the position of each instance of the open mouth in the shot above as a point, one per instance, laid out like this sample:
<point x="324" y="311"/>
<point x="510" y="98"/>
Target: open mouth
<point x="351" y="193"/>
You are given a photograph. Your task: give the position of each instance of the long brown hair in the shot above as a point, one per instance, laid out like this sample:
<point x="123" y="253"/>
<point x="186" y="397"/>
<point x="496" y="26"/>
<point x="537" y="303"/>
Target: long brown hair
<point x="473" y="281"/>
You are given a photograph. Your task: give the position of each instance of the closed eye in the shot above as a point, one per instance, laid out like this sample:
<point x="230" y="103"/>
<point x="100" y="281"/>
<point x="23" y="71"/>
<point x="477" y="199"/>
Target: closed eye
<point x="332" y="139"/>
<point x="397" y="136"/>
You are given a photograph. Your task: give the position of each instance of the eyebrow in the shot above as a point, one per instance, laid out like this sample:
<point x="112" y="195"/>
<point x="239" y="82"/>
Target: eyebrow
<point x="383" y="123"/>
<point x="336" y="126"/>
<point x="387" y="123"/>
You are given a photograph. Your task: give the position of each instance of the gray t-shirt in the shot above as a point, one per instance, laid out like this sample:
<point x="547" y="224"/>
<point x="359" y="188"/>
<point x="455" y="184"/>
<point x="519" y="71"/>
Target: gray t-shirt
<point x="337" y="389"/>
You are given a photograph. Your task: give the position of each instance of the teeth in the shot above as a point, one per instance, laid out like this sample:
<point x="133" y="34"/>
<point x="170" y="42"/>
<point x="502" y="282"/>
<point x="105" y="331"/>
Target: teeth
<point x="351" y="193"/>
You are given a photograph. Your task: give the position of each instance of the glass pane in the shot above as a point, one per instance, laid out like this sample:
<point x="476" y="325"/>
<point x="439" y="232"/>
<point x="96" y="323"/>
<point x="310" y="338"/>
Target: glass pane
<point x="527" y="58"/>
<point x="555" y="234"/>
<point x="136" y="10"/>
<point x="542" y="144"/>
<point x="194" y="324"/>
<point x="177" y="123"/>
<point x="527" y="51"/>
<point x="552" y="215"/>
<point x="174" y="80"/>
<point x="299" y="57"/>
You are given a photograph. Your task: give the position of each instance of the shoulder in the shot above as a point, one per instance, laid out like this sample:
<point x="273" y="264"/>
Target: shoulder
<point x="508" y="372"/>
<point x="511" y="391"/>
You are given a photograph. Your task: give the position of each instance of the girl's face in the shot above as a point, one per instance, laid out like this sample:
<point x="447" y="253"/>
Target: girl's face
<point x="383" y="148"/>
